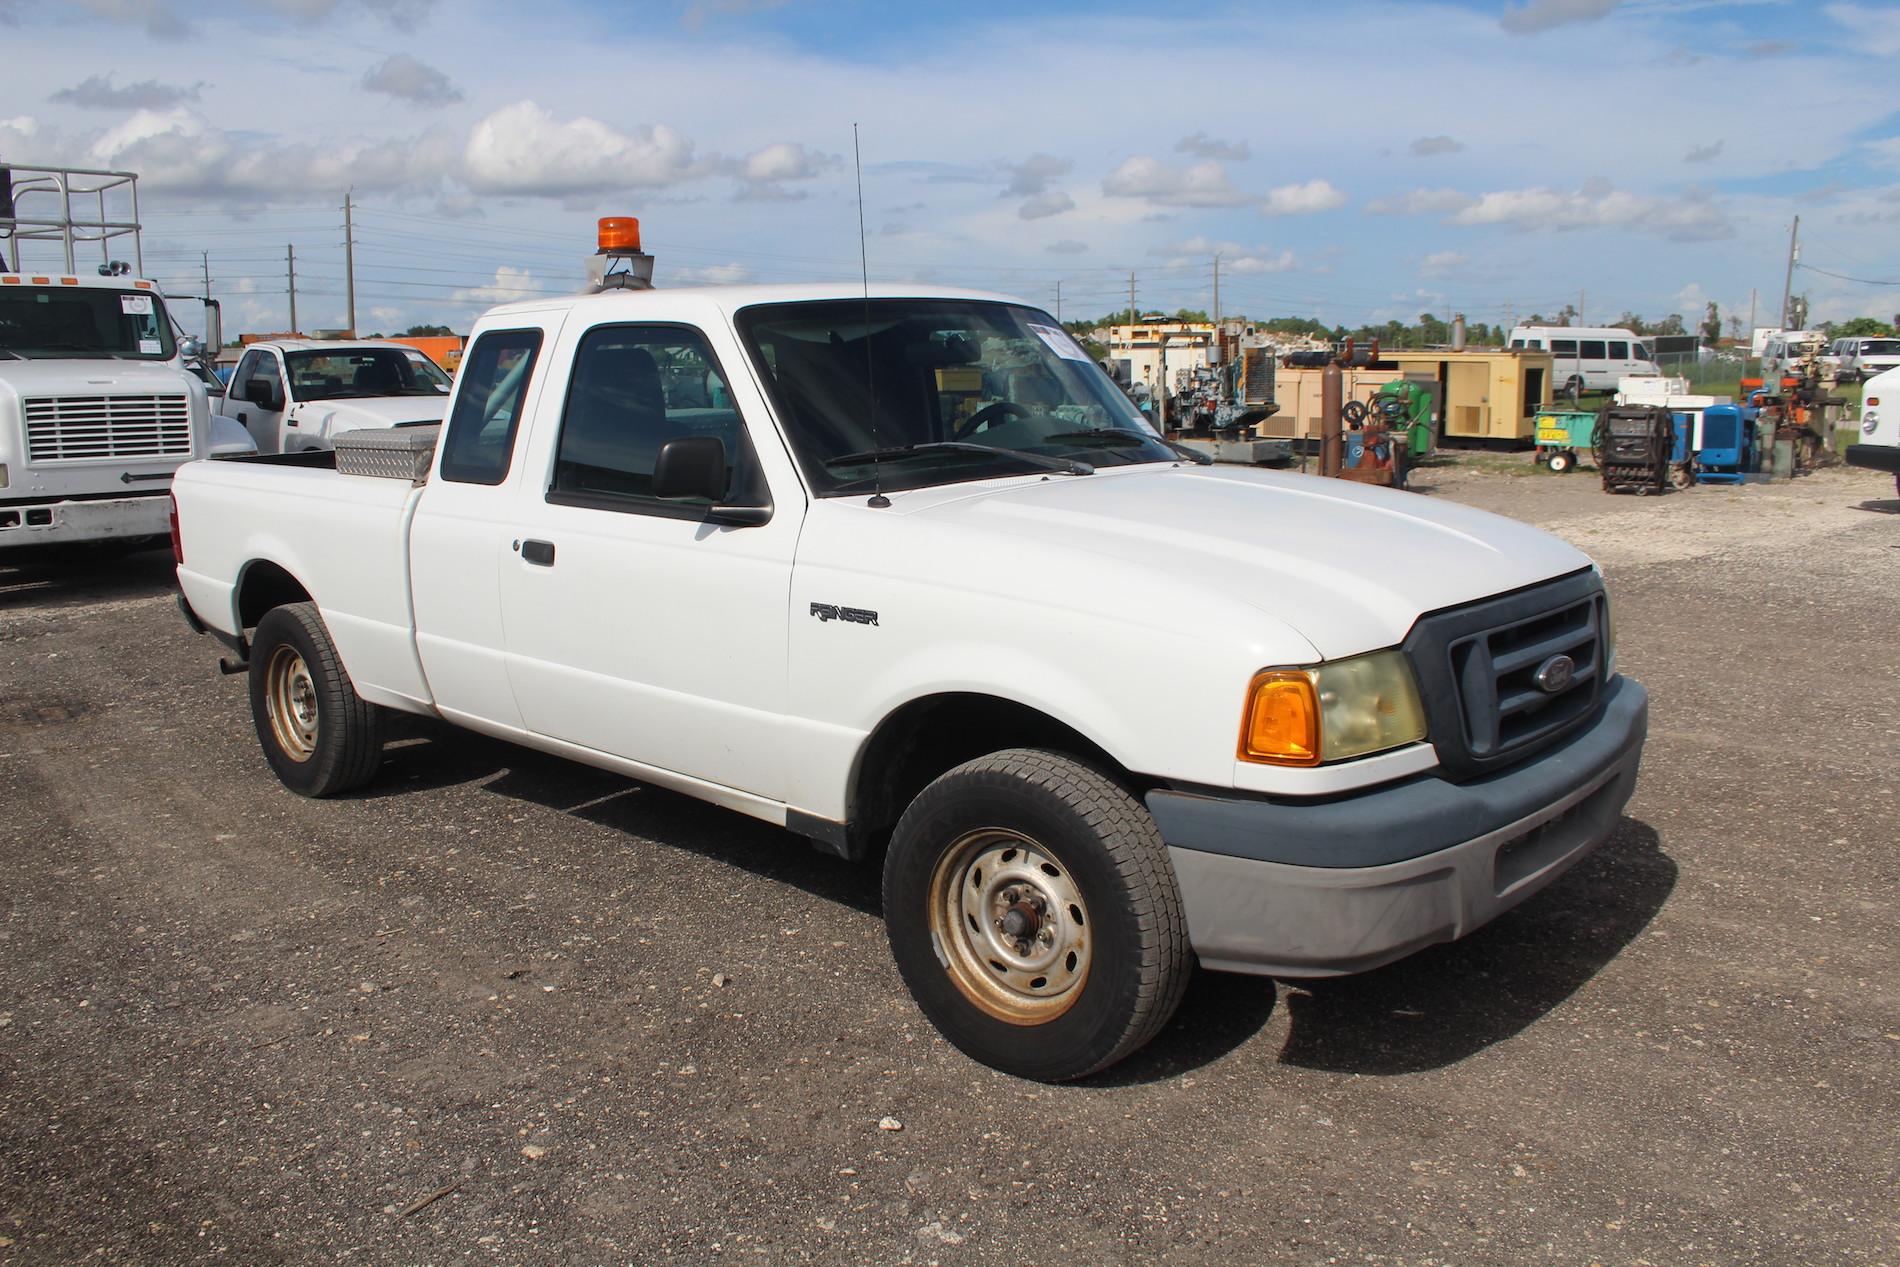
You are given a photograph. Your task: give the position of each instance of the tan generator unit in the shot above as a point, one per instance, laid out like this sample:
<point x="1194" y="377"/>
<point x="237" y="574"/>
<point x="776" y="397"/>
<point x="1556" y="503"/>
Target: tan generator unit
<point x="1485" y="395"/>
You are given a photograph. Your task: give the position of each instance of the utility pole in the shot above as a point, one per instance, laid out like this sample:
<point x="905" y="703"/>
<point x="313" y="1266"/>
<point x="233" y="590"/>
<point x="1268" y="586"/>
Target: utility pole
<point x="290" y="262"/>
<point x="349" y="262"/>
<point x="1058" y="301"/>
<point x="1787" y="284"/>
<point x="1581" y="296"/>
<point x="1751" y="316"/>
<point x="204" y="258"/>
<point x="1132" y="317"/>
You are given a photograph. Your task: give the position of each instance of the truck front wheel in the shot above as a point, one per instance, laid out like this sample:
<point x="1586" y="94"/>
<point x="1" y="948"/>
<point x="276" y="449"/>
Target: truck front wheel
<point x="318" y="734"/>
<point x="1034" y="914"/>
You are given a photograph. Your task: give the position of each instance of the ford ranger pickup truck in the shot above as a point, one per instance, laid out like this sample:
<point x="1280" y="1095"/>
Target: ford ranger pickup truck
<point x="904" y="571"/>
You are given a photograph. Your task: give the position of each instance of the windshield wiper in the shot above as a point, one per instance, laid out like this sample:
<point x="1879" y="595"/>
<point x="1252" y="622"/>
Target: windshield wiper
<point x="1135" y="437"/>
<point x="1068" y="466"/>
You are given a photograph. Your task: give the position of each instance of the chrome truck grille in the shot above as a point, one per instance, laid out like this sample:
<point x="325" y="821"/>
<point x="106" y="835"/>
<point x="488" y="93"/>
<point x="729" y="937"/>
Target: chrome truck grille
<point x="76" y="428"/>
<point x="1486" y="672"/>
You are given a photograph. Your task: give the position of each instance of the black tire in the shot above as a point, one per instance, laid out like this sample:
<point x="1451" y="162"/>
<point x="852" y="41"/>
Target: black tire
<point x="1117" y="955"/>
<point x="1560" y="461"/>
<point x="318" y="734"/>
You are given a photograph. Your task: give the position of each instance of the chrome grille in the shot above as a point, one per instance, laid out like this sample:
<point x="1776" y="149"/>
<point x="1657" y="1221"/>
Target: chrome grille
<point x="77" y="428"/>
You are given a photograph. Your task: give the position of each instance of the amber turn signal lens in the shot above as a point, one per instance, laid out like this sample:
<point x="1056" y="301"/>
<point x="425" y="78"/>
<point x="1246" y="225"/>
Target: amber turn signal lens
<point x="1282" y="723"/>
<point x="619" y="233"/>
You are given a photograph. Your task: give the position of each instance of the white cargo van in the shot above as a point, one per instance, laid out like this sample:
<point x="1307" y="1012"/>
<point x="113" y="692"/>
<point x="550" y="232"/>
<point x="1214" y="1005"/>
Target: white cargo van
<point x="1782" y="354"/>
<point x="1588" y="358"/>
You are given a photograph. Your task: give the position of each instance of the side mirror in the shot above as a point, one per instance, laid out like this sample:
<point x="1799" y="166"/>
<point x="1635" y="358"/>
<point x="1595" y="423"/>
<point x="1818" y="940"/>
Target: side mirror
<point x="262" y="393"/>
<point x="695" y="467"/>
<point x="190" y="349"/>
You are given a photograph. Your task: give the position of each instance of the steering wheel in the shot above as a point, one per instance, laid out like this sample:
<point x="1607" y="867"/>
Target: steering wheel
<point x="986" y="415"/>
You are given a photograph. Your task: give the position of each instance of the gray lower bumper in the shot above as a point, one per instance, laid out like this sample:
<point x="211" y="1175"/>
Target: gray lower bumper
<point x="1878" y="457"/>
<point x="1248" y="912"/>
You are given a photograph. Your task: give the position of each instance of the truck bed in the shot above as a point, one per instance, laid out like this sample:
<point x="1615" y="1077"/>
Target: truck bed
<point x="344" y="539"/>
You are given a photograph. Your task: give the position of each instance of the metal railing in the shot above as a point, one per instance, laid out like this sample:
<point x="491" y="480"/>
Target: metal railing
<point x="24" y="188"/>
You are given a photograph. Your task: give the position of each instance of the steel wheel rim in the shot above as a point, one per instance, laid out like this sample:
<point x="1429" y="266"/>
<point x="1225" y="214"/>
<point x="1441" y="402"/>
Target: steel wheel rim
<point x="290" y="701"/>
<point x="1010" y="926"/>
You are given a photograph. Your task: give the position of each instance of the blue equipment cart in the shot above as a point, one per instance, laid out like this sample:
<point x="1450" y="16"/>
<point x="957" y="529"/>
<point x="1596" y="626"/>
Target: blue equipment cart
<point x="1728" y="445"/>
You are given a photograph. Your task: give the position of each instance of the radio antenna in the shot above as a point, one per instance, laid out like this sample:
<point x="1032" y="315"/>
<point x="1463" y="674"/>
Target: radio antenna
<point x="878" y="499"/>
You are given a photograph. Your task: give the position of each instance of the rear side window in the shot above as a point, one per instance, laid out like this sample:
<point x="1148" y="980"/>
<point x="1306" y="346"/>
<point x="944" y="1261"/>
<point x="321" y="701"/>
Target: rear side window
<point x="1592" y="349"/>
<point x="480" y="441"/>
<point x="1640" y="351"/>
<point x="1619" y="350"/>
<point x="1564" y="347"/>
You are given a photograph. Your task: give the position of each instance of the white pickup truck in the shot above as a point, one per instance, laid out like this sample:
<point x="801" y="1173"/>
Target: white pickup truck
<point x="298" y="394"/>
<point x="905" y="572"/>
<point x="1879" y="447"/>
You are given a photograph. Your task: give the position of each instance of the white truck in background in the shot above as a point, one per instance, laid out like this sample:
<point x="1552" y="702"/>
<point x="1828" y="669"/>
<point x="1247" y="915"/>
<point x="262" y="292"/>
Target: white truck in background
<point x="890" y="566"/>
<point x="98" y="409"/>
<point x="1879" y="446"/>
<point x="296" y="395"/>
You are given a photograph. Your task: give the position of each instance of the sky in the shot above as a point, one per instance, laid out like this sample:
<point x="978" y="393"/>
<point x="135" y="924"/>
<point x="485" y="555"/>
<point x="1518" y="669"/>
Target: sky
<point x="1356" y="161"/>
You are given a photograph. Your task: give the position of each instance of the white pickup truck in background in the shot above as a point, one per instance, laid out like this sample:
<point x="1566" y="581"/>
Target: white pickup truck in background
<point x="905" y="572"/>
<point x="1879" y="446"/>
<point x="294" y="395"/>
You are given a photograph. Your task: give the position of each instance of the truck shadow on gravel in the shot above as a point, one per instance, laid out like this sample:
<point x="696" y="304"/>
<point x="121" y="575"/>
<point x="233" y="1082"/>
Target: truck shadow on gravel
<point x="1433" y="1009"/>
<point x="76" y="577"/>
<point x="1449" y="1002"/>
<point x="422" y="754"/>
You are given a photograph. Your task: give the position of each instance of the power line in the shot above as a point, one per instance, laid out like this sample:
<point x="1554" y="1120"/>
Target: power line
<point x="1864" y="281"/>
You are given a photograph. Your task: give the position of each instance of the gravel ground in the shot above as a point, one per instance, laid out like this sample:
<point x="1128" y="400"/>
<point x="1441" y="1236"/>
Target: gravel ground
<point x="502" y="1009"/>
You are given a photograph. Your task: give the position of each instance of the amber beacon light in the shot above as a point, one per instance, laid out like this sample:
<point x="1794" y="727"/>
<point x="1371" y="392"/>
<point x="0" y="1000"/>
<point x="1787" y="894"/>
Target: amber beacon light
<point x="619" y="233"/>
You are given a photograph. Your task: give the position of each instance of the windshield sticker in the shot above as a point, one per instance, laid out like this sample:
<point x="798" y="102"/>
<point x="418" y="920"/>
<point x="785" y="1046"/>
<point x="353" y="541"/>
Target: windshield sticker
<point x="149" y="347"/>
<point x="1060" y="343"/>
<point x="136" y="305"/>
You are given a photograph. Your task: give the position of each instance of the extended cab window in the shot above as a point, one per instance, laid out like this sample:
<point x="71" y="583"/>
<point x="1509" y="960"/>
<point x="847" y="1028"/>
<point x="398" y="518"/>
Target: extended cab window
<point x="633" y="389"/>
<point x="481" y="434"/>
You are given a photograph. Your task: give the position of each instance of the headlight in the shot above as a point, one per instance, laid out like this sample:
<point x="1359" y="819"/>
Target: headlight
<point x="1346" y="708"/>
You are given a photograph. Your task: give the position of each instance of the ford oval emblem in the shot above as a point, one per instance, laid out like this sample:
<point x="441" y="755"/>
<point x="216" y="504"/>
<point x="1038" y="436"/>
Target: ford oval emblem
<point x="1554" y="674"/>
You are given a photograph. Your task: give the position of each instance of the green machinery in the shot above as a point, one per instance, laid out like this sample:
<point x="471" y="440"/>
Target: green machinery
<point x="1401" y="407"/>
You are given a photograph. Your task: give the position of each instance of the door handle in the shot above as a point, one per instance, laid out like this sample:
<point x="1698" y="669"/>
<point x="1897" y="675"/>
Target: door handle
<point x="540" y="553"/>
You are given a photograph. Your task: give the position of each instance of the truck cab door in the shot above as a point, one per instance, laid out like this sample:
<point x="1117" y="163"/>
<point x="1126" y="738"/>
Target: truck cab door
<point x="461" y="530"/>
<point x="639" y="626"/>
<point x="257" y="399"/>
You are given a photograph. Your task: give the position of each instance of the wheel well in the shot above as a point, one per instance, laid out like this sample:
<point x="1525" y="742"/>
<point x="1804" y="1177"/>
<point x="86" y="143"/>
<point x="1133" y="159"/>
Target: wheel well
<point x="928" y="736"/>
<point x="264" y="586"/>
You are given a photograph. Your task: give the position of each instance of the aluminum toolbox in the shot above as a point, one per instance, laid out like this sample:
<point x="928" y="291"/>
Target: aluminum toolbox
<point x="394" y="453"/>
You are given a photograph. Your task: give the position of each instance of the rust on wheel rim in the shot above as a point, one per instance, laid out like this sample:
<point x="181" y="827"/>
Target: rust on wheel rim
<point x="1010" y="926"/>
<point x="290" y="702"/>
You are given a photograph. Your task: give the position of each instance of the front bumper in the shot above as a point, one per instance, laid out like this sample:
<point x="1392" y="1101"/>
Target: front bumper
<point x="1879" y="457"/>
<point x="1340" y="886"/>
<point x="56" y="522"/>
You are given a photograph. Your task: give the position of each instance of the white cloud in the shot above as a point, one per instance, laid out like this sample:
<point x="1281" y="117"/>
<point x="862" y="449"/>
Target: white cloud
<point x="1541" y="15"/>
<point x="1703" y="153"/>
<point x="1034" y="175"/>
<point x="1201" y="185"/>
<point x="1201" y="145"/>
<point x="1442" y="263"/>
<point x="1234" y="257"/>
<point x="1427" y="146"/>
<point x="1420" y="202"/>
<point x="404" y="15"/>
<point x="156" y="16"/>
<point x="523" y="149"/>
<point x="1050" y="202"/>
<point x="1689" y="219"/>
<point x="784" y="161"/>
<point x="400" y="75"/>
<point x="1877" y="30"/>
<point x="1303" y="199"/>
<point x="509" y="284"/>
<point x="97" y="92"/>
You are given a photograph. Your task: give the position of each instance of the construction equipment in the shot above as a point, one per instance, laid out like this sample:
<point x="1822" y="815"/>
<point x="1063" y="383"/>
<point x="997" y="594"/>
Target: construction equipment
<point x="1727" y="451"/>
<point x="1795" y="408"/>
<point x="1564" y="433"/>
<point x="1633" y="444"/>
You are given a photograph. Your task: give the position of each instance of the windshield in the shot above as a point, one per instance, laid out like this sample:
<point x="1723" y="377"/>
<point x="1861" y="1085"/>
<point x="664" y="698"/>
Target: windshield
<point x="1880" y="347"/>
<point x="344" y="373"/>
<point x="964" y="390"/>
<point x="83" y="322"/>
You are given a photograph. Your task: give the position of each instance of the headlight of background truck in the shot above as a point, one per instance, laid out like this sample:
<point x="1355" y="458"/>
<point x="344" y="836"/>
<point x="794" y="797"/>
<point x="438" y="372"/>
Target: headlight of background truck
<point x="1333" y="711"/>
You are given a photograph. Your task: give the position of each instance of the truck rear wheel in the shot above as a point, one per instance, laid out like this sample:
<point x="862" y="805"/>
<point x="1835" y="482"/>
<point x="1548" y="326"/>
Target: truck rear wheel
<point x="318" y="734"/>
<point x="1034" y="914"/>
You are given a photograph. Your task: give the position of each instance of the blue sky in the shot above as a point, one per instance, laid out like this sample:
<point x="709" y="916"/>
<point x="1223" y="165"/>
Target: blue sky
<point x="1354" y="161"/>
